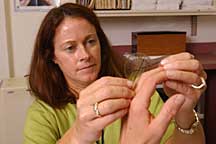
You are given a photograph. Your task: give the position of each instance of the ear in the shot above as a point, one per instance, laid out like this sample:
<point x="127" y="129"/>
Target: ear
<point x="54" y="60"/>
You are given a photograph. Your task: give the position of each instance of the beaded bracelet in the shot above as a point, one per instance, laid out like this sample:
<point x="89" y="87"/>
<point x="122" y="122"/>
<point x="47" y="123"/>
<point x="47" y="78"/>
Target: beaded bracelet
<point x="193" y="127"/>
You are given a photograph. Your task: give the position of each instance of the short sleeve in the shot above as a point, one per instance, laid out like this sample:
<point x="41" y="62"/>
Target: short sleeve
<point x="155" y="107"/>
<point x="40" y="126"/>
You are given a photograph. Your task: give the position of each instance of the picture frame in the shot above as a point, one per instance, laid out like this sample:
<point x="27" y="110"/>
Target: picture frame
<point x="35" y="5"/>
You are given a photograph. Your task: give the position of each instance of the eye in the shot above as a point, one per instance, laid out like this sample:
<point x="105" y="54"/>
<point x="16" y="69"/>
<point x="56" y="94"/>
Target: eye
<point x="70" y="49"/>
<point x="91" y="41"/>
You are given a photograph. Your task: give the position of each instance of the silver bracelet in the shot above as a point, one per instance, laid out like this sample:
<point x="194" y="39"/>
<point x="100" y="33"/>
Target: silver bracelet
<point x="193" y="127"/>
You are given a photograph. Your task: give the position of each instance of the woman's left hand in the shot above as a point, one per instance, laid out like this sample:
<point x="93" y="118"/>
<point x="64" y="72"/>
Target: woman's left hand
<point x="140" y="125"/>
<point x="183" y="71"/>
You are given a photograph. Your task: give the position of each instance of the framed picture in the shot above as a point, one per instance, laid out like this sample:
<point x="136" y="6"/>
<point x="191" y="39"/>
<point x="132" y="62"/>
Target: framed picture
<point x="37" y="5"/>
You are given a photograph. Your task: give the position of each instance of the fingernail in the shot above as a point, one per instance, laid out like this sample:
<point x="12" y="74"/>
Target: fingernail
<point x="167" y="66"/>
<point x="130" y="83"/>
<point x="179" y="99"/>
<point x="164" y="61"/>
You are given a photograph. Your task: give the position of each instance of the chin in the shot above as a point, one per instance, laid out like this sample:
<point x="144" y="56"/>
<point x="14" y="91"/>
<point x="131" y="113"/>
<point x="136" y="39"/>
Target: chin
<point x="89" y="79"/>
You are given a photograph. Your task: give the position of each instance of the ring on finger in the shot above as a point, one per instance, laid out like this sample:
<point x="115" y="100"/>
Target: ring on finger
<point x="96" y="110"/>
<point x="202" y="85"/>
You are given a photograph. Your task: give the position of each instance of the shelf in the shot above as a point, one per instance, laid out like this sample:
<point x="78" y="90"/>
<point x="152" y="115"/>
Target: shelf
<point x="134" y="13"/>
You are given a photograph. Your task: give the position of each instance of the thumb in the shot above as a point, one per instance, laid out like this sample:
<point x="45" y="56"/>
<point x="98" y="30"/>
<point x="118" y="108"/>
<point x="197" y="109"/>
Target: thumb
<point x="168" y="111"/>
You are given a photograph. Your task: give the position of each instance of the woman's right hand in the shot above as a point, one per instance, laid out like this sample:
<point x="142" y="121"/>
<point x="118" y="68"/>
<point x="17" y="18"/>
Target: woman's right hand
<point x="113" y="96"/>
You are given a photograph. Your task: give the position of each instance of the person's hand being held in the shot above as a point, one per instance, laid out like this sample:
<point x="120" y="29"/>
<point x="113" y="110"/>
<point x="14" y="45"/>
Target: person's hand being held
<point x="140" y="126"/>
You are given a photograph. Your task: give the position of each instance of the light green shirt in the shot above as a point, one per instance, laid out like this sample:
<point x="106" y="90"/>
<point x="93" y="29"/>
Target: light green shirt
<point x="46" y="125"/>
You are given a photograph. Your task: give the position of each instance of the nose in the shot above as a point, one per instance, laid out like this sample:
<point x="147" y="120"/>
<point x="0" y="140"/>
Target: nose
<point x="82" y="53"/>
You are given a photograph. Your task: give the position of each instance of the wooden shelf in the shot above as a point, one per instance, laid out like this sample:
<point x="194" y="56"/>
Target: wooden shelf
<point x="134" y="13"/>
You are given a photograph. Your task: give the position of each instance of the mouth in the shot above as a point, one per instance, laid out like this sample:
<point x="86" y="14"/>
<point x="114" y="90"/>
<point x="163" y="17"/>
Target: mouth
<point x="87" y="67"/>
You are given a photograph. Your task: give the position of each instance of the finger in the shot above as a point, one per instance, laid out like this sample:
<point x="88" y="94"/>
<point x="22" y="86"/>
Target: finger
<point x="187" y="65"/>
<point x="192" y="65"/>
<point x="168" y="111"/>
<point x="108" y="92"/>
<point x="146" y="88"/>
<point x="106" y="81"/>
<point x="139" y="82"/>
<point x="202" y="73"/>
<point x="104" y="121"/>
<point x="183" y="88"/>
<point x="183" y="76"/>
<point x="113" y="92"/>
<point x="111" y="106"/>
<point x="105" y="108"/>
<point x="176" y="57"/>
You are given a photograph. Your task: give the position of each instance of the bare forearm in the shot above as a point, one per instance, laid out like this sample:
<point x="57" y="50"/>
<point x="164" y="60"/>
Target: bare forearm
<point x="72" y="137"/>
<point x="68" y="138"/>
<point x="197" y="137"/>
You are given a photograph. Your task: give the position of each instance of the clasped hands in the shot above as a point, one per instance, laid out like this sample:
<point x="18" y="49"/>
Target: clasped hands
<point x="120" y="98"/>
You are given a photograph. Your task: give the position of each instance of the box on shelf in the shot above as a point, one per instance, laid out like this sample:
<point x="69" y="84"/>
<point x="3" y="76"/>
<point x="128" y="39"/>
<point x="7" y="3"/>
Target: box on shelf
<point x="158" y="42"/>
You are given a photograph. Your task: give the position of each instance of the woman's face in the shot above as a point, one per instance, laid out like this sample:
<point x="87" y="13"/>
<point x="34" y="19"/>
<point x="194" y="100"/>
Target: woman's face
<point x="77" y="52"/>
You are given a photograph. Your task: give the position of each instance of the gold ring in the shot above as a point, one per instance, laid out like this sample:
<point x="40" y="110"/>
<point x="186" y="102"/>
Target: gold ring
<point x="203" y="84"/>
<point x="96" y="110"/>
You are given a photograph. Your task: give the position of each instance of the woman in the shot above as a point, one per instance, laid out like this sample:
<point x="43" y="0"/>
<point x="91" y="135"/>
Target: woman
<point x="81" y="95"/>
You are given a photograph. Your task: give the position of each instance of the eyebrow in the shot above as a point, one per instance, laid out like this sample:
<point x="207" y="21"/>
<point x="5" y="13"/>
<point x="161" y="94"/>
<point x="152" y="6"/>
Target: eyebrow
<point x="86" y="37"/>
<point x="90" y="35"/>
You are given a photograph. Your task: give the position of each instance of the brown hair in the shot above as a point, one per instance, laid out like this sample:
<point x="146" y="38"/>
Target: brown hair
<point x="46" y="79"/>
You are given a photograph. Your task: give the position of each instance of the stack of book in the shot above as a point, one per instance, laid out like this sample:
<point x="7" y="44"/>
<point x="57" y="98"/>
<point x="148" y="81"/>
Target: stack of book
<point x="112" y="4"/>
<point x="84" y="2"/>
<point x="107" y="4"/>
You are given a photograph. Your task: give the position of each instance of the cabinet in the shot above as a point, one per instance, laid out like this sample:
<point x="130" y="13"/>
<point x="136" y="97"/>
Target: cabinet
<point x="14" y="101"/>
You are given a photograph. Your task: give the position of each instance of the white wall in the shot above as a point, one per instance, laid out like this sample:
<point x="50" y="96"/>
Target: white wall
<point x="119" y="29"/>
<point x="206" y="29"/>
<point x="24" y="26"/>
<point x="4" y="65"/>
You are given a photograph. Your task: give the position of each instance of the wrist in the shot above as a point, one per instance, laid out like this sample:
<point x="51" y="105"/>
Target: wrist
<point x="72" y="136"/>
<point x="68" y="138"/>
<point x="193" y="127"/>
<point x="81" y="135"/>
<point x="185" y="119"/>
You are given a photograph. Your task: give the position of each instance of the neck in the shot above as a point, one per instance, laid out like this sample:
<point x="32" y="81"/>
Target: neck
<point x="76" y="88"/>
